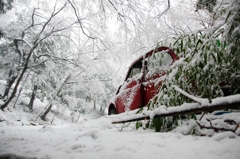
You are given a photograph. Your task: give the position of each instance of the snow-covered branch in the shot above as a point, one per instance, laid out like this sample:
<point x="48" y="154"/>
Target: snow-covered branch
<point x="218" y="128"/>
<point x="232" y="101"/>
<point x="196" y="99"/>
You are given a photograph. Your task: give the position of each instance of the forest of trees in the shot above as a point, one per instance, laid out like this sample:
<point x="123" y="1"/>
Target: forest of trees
<point x="67" y="49"/>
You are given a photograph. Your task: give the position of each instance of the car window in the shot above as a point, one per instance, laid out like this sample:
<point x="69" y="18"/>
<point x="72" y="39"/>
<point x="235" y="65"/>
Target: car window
<point x="135" y="69"/>
<point x="159" y="61"/>
<point x="134" y="72"/>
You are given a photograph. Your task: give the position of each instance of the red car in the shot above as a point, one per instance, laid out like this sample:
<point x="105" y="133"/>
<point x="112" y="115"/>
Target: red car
<point x="141" y="83"/>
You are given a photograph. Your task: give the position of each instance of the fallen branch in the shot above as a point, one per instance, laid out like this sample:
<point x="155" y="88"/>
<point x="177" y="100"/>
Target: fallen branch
<point x="217" y="104"/>
<point x="56" y="94"/>
<point x="217" y="128"/>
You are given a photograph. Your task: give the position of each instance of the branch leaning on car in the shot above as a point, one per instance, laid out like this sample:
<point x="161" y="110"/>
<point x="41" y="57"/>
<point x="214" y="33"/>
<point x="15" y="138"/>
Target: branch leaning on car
<point x="226" y="103"/>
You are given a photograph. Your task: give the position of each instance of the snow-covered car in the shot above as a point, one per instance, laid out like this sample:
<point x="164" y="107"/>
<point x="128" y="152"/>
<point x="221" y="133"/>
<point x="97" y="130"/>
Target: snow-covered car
<point x="142" y="83"/>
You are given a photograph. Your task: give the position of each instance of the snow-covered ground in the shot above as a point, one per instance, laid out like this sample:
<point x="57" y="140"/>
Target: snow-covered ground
<point x="95" y="137"/>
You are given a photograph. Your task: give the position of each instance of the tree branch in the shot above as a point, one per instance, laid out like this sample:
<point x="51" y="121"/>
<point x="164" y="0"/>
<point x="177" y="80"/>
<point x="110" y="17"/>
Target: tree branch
<point x="79" y="21"/>
<point x="217" y="104"/>
<point x="217" y="128"/>
<point x="56" y="94"/>
<point x="161" y="14"/>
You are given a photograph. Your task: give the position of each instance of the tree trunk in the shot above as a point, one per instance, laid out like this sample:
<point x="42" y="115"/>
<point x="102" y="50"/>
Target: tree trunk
<point x="44" y="114"/>
<point x="19" y="78"/>
<point x="10" y="81"/>
<point x="30" y="105"/>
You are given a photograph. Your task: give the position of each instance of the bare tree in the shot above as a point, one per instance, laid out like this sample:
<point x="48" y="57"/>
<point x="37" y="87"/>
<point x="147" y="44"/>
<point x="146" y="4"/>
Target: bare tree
<point x="46" y="30"/>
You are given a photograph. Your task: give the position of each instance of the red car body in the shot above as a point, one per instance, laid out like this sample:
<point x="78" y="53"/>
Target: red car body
<point x="139" y="87"/>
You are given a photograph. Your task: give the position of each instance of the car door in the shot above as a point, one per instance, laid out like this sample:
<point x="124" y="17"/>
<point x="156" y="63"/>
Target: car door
<point x="156" y="65"/>
<point x="129" y="96"/>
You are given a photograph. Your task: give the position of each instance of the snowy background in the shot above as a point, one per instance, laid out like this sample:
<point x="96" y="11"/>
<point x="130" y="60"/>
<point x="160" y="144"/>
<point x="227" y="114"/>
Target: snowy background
<point x="93" y="43"/>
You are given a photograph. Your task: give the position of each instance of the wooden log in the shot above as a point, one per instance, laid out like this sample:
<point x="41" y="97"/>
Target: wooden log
<point x="229" y="102"/>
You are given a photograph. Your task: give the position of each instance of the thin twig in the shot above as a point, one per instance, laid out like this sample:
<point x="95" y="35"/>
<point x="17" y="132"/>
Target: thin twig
<point x="203" y="113"/>
<point x="161" y="14"/>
